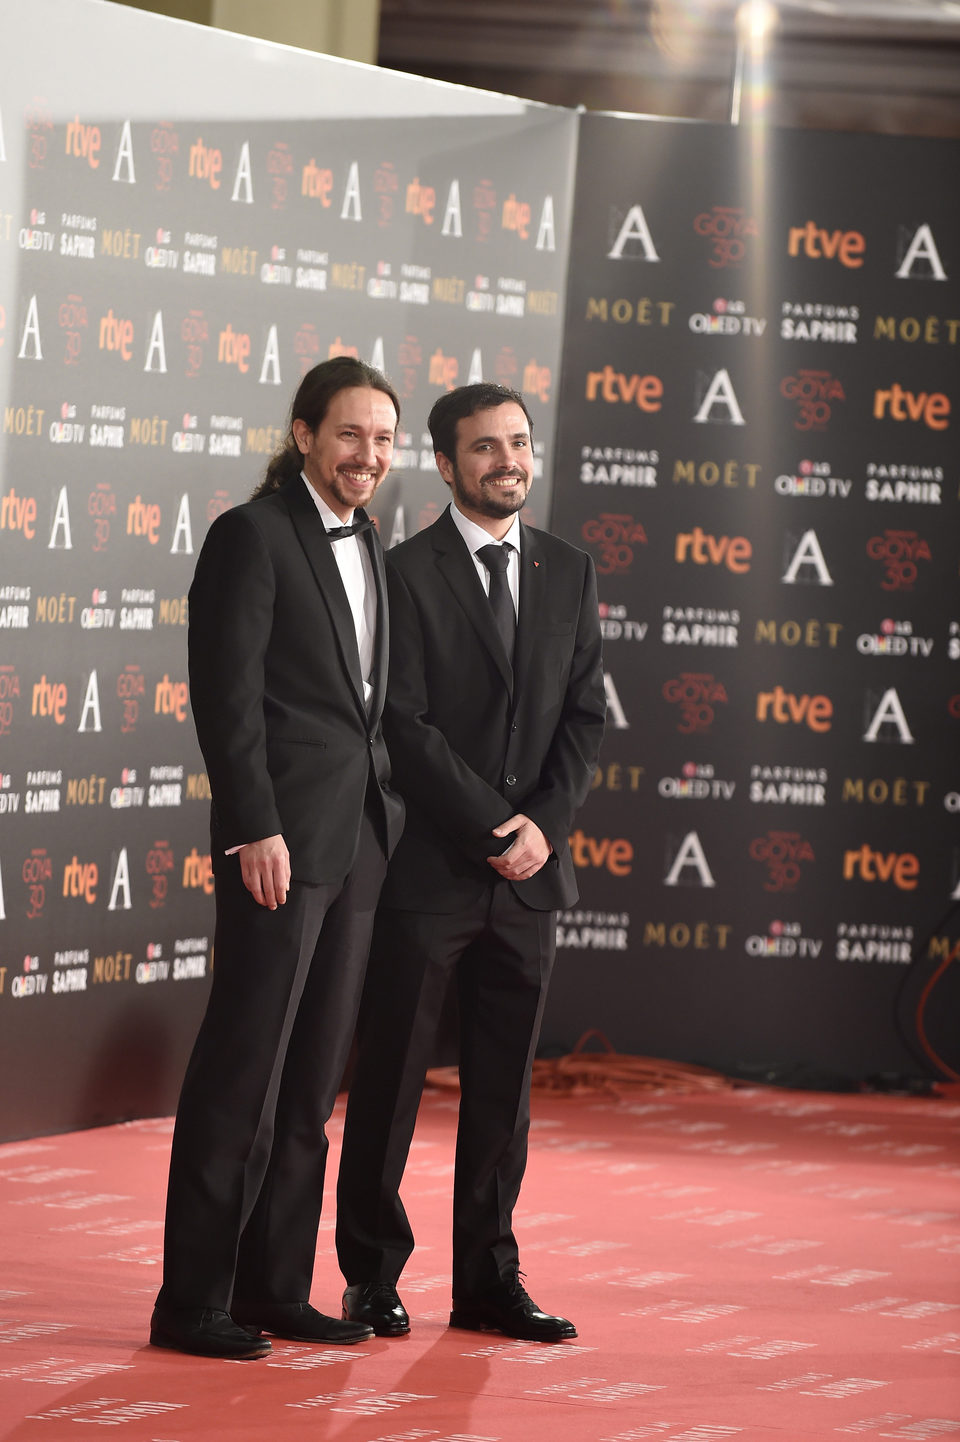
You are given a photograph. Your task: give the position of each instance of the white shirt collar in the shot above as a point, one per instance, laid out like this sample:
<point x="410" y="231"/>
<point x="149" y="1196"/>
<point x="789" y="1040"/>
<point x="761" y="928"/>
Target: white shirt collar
<point x="330" y="518"/>
<point x="475" y="536"/>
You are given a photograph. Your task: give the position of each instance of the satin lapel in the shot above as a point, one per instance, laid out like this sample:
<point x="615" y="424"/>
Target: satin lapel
<point x="458" y="570"/>
<point x="381" y="650"/>
<point x="534" y="583"/>
<point x="310" y="533"/>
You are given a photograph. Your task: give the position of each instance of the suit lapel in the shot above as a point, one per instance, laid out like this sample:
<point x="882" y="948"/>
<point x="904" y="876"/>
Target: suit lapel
<point x="534" y="580"/>
<point x="312" y="537"/>
<point x="457" y="567"/>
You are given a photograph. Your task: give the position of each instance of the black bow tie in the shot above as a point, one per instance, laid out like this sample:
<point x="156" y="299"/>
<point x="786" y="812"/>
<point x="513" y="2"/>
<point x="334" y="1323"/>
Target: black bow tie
<point x="337" y="533"/>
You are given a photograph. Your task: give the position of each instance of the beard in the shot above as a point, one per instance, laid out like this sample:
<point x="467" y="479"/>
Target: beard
<point x="349" y="495"/>
<point x="488" y="500"/>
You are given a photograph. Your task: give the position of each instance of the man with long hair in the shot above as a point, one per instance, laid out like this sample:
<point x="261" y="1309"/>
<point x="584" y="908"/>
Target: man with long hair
<point x="495" y="710"/>
<point x="288" y="655"/>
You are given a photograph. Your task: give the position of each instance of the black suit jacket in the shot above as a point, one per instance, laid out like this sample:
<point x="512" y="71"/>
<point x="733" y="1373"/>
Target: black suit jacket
<point x="473" y="742"/>
<point x="276" y="688"/>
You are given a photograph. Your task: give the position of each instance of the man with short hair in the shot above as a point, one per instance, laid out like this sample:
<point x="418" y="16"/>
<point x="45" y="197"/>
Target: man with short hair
<point x="494" y="714"/>
<point x="288" y="650"/>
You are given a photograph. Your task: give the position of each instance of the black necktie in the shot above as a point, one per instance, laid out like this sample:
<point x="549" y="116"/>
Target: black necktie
<point x="337" y="533"/>
<point x="497" y="559"/>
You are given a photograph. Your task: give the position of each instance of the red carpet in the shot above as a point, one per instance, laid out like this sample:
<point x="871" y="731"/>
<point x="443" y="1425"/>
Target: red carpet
<point x="753" y="1265"/>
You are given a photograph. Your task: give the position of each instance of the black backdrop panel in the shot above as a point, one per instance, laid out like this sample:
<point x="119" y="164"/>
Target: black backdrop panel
<point x="171" y="262"/>
<point x="758" y="445"/>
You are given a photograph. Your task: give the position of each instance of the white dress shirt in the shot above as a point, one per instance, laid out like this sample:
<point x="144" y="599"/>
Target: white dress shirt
<point x="475" y="537"/>
<point x="356" y="572"/>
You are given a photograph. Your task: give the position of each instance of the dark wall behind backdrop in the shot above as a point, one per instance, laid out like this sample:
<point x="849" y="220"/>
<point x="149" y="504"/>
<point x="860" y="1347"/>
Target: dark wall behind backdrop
<point x="755" y="445"/>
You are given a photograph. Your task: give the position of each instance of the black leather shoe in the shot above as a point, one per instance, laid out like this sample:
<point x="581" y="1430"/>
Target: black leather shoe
<point x="508" y="1309"/>
<point x="377" y="1304"/>
<point x="299" y="1322"/>
<point x="204" y="1332"/>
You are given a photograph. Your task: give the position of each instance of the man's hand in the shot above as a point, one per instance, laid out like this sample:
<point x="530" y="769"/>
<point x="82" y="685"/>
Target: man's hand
<point x="265" y="868"/>
<point x="528" y="850"/>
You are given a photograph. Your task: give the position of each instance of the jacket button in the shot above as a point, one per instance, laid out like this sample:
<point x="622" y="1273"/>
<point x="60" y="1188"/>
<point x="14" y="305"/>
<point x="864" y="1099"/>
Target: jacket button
<point x="511" y="780"/>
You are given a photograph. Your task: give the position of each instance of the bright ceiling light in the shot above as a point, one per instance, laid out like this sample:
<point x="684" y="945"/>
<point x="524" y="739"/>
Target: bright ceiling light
<point x="755" y="20"/>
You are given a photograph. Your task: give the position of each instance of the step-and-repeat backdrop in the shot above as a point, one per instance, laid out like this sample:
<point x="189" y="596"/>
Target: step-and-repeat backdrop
<point x="756" y="443"/>
<point x="758" y="446"/>
<point x="189" y="221"/>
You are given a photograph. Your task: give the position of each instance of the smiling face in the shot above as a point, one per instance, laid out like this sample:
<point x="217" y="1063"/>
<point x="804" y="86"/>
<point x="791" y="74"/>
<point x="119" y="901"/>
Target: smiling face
<point x="493" y="468"/>
<point x="347" y="456"/>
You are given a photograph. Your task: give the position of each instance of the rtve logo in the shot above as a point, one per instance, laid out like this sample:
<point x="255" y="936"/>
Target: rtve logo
<point x="783" y="707"/>
<point x="316" y="183"/>
<point x="143" y="519"/>
<point x="933" y="408"/>
<point x="83" y="142"/>
<point x="206" y="163"/>
<point x="18" y="513"/>
<point x="49" y="699"/>
<point x="198" y="872"/>
<point x="847" y="246"/>
<point x="868" y="865"/>
<point x="734" y="552"/>
<point x="116" y="334"/>
<point x="537" y="380"/>
<point x="422" y="200"/>
<point x="170" y="698"/>
<point x="234" y="349"/>
<point x="80" y="878"/>
<point x="645" y="391"/>
<point x="616" y="855"/>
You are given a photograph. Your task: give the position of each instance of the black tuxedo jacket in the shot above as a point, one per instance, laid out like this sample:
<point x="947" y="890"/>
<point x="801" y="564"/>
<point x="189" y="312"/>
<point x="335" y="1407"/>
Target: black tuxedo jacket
<point x="276" y="688"/>
<point x="473" y="741"/>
